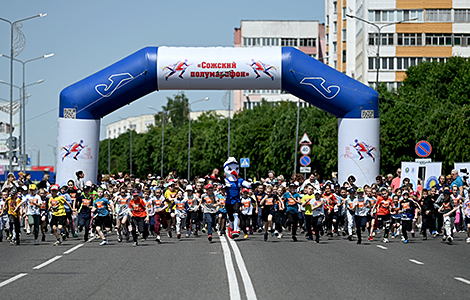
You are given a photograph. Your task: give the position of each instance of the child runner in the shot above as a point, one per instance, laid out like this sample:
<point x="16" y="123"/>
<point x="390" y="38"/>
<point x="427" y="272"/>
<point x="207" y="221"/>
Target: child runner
<point x="448" y="209"/>
<point x="121" y="201"/>
<point x="292" y="201"/>
<point x="246" y="212"/>
<point x="181" y="208"/>
<point x="409" y="212"/>
<point x="209" y="205"/>
<point x="33" y="212"/>
<point x="138" y="211"/>
<point x="103" y="210"/>
<point x="159" y="205"/>
<point x="361" y="211"/>
<point x="267" y="208"/>
<point x="193" y="203"/>
<point x="57" y="206"/>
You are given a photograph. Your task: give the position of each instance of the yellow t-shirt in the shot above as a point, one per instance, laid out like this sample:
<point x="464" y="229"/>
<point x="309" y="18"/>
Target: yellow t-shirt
<point x="58" y="206"/>
<point x="308" y="207"/>
<point x="170" y="196"/>
<point x="12" y="204"/>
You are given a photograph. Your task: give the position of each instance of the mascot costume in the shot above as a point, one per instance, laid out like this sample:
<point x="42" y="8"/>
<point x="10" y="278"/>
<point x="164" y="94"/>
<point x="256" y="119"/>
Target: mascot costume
<point x="233" y="185"/>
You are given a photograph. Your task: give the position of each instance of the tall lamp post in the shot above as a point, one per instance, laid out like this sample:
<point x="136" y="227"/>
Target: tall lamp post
<point x="189" y="135"/>
<point x="54" y="149"/>
<point x="12" y="55"/>
<point x="131" y="127"/>
<point x="297" y="136"/>
<point x="163" y="112"/>
<point x="379" y="29"/>
<point x="23" y="104"/>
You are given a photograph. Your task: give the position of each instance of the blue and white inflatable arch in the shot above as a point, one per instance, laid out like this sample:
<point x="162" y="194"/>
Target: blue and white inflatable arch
<point x="84" y="103"/>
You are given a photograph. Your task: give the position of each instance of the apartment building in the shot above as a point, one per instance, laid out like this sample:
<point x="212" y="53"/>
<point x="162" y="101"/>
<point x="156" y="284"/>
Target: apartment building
<point x="307" y="36"/>
<point x="411" y="31"/>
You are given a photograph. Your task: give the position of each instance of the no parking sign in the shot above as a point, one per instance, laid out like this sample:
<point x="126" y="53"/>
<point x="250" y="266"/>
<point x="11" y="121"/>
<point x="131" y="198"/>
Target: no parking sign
<point x="423" y="149"/>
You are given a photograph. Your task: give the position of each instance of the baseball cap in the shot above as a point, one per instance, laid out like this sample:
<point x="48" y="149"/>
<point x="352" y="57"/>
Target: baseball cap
<point x="447" y="192"/>
<point x="189" y="187"/>
<point x="360" y="190"/>
<point x="317" y="192"/>
<point x="54" y="188"/>
<point x="352" y="191"/>
<point x="32" y="186"/>
<point x="89" y="183"/>
<point x="209" y="186"/>
<point x="245" y="190"/>
<point x="135" y="192"/>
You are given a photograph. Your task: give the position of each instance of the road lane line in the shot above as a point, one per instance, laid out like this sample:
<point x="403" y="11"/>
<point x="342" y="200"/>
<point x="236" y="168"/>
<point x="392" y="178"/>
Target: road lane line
<point x="382" y="247"/>
<point x="462" y="280"/>
<point x="47" y="262"/>
<point x="249" y="289"/>
<point x="73" y="249"/>
<point x="232" y="276"/>
<point x="3" y="283"/>
<point x="416" y="262"/>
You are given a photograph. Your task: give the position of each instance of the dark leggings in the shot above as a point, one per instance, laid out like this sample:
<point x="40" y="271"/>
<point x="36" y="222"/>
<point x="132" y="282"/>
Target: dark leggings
<point x="428" y="223"/>
<point x="15" y="222"/>
<point x="245" y="221"/>
<point x="293" y="220"/>
<point x="36" y="223"/>
<point x="137" y="224"/>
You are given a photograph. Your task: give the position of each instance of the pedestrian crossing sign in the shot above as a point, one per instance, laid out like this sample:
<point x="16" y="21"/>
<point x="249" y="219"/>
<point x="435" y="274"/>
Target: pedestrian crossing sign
<point x="245" y="162"/>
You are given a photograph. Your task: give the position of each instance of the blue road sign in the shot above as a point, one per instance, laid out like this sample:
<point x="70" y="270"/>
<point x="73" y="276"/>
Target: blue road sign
<point x="423" y="149"/>
<point x="244" y="162"/>
<point x="305" y="160"/>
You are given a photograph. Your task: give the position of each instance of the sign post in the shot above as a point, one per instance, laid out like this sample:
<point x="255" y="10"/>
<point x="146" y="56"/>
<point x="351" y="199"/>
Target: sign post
<point x="305" y="150"/>
<point x="244" y="163"/>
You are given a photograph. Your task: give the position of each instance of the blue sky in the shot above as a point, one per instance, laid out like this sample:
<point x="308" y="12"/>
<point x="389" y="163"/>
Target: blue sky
<point x="87" y="36"/>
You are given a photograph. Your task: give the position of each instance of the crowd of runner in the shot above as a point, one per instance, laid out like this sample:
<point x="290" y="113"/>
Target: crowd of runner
<point x="124" y="207"/>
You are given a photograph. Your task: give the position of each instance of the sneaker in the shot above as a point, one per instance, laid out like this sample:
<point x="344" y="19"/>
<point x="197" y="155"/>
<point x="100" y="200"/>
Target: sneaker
<point x="143" y="240"/>
<point x="435" y="233"/>
<point x="135" y="244"/>
<point x="57" y="243"/>
<point x="119" y="239"/>
<point x="36" y="242"/>
<point x="402" y="238"/>
<point x="251" y="231"/>
<point x="43" y="239"/>
<point x="276" y="233"/>
<point x="265" y="236"/>
<point x="235" y="234"/>
<point x="187" y="235"/>
<point x="350" y="237"/>
<point x="405" y="241"/>
<point x="209" y="237"/>
<point x="450" y="239"/>
<point x="245" y="236"/>
<point x="178" y="236"/>
<point x="203" y="230"/>
<point x="294" y="238"/>
<point x="317" y="240"/>
<point x="158" y="240"/>
<point x="170" y="235"/>
<point x="358" y="241"/>
<point x="425" y="238"/>
<point x="444" y="238"/>
<point x="260" y="230"/>
<point x="309" y="238"/>
<point x="75" y="235"/>
<point x="104" y="242"/>
<point x="371" y="239"/>
<point x="385" y="240"/>
<point x="279" y="236"/>
<point x="28" y="231"/>
<point x="468" y="240"/>
<point x="412" y="233"/>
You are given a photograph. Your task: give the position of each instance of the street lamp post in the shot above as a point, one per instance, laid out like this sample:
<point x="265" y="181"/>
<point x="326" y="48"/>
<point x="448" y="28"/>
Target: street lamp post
<point x="296" y="136"/>
<point x="23" y="102"/>
<point x="54" y="148"/>
<point x="189" y="135"/>
<point x="379" y="29"/>
<point x="12" y="55"/>
<point x="163" y="133"/>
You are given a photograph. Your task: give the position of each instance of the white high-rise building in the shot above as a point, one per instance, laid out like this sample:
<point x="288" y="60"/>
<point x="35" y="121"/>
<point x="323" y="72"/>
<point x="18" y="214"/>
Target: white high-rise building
<point x="437" y="29"/>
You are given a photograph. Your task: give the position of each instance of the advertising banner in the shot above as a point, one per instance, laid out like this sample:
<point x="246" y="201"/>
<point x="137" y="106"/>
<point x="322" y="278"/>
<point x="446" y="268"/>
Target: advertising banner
<point x="5" y="131"/>
<point x="218" y="68"/>
<point x="433" y="171"/>
<point x="358" y="150"/>
<point x="77" y="149"/>
<point x="410" y="170"/>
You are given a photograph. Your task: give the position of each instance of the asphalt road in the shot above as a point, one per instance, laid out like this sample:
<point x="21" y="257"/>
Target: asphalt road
<point x="244" y="269"/>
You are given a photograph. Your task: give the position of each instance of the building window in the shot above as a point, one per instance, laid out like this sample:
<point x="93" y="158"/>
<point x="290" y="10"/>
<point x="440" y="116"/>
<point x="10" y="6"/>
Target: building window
<point x="371" y="63"/>
<point x="289" y="42"/>
<point x="344" y="55"/>
<point x="439" y="39"/>
<point x="335" y="7"/>
<point x="343" y="38"/>
<point x="409" y="39"/>
<point x="438" y="15"/>
<point x="343" y="13"/>
<point x="390" y="63"/>
<point x="307" y="43"/>
<point x="410" y="14"/>
<point x="461" y="15"/>
<point x="399" y="63"/>
<point x="373" y="39"/>
<point x="371" y="16"/>
<point x="327" y="38"/>
<point x="334" y="46"/>
<point x="384" y="63"/>
<point x="327" y="20"/>
<point x="335" y="26"/>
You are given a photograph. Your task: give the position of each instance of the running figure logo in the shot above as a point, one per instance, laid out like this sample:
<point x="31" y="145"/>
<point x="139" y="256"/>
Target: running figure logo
<point x="362" y="147"/>
<point x="180" y="66"/>
<point x="74" y="148"/>
<point x="259" y="66"/>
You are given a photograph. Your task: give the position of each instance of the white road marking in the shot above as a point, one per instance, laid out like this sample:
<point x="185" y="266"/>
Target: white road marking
<point x="73" y="249"/>
<point x="3" y="283"/>
<point x="416" y="262"/>
<point x="47" y="262"/>
<point x="462" y="280"/>
<point x="249" y="289"/>
<point x="232" y="276"/>
<point x="382" y="247"/>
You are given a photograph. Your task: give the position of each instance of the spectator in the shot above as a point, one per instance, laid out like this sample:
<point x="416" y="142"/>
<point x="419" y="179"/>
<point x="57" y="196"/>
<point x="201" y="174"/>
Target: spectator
<point x="396" y="181"/>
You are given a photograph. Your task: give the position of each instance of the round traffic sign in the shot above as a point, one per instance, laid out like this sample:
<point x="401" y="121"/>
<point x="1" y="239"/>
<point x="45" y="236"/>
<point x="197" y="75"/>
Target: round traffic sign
<point x="423" y="149"/>
<point x="305" y="149"/>
<point x="305" y="160"/>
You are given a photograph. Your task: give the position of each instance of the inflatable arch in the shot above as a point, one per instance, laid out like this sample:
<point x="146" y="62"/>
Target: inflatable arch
<point x="84" y="103"/>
